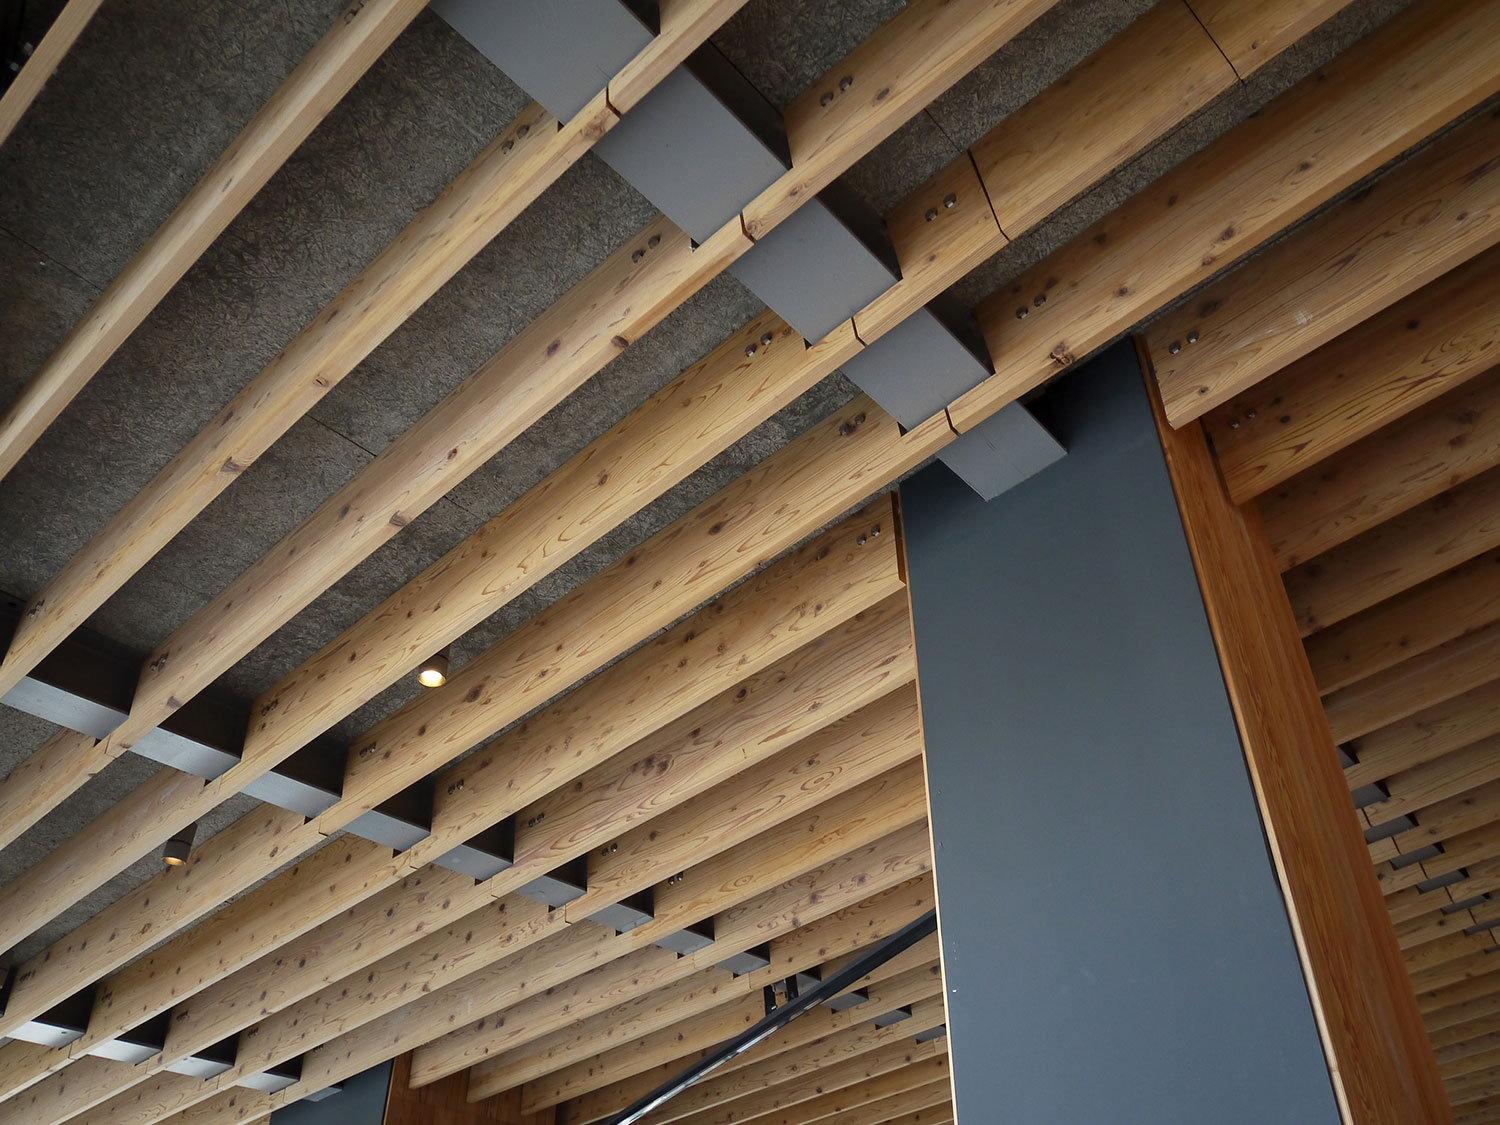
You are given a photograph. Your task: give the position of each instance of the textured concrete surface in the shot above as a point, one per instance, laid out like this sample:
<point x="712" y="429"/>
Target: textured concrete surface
<point x="150" y="96"/>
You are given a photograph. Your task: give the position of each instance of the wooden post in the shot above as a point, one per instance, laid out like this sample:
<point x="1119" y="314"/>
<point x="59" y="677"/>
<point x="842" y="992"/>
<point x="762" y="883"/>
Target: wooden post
<point x="1378" y="1053"/>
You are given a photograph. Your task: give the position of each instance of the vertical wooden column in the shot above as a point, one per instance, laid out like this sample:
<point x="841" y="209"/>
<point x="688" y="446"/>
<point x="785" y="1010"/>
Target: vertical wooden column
<point x="446" y="1101"/>
<point x="1378" y="1052"/>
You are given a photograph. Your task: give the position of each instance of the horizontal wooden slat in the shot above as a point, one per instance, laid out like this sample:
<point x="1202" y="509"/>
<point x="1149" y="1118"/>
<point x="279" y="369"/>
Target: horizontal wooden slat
<point x="1384" y="94"/>
<point x="1414" y="621"/>
<point x="892" y="75"/>
<point x="604" y="1083"/>
<point x="1361" y="256"/>
<point x="1426" y="679"/>
<point x="898" y="857"/>
<point x="1459" y="772"/>
<point x="1412" y="460"/>
<point x="1125" y="95"/>
<point x="1426" y="735"/>
<point x="65" y="761"/>
<point x="358" y="36"/>
<point x="1396" y="555"/>
<point x="1421" y="347"/>
<point x="1251" y="34"/>
<point x="845" y="890"/>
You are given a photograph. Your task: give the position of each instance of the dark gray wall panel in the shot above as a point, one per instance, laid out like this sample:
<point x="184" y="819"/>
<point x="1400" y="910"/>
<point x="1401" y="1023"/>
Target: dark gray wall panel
<point x="360" y="1102"/>
<point x="1116" y="946"/>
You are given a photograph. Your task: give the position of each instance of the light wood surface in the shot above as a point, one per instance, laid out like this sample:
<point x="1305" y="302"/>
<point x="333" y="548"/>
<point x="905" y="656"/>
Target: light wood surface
<point x="1421" y="347"/>
<point x="1377" y="1048"/>
<point x="1360" y="257"/>
<point x="358" y="37"/>
<point x="1368" y="105"/>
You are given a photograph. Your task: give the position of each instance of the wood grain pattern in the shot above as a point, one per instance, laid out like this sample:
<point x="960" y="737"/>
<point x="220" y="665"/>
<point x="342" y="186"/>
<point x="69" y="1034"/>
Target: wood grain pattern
<point x="1424" y="679"/>
<point x="1429" y="614"/>
<point x="1421" y="347"/>
<point x="844" y="885"/>
<point x="1426" y="735"/>
<point x="1411" y="226"/>
<point x="1396" y="555"/>
<point x="1251" y="34"/>
<point x="358" y="37"/>
<point x="909" y="61"/>
<point x="1378" y="1052"/>
<point x="1387" y="92"/>
<point x="1125" y="95"/>
<point x="1413" y="459"/>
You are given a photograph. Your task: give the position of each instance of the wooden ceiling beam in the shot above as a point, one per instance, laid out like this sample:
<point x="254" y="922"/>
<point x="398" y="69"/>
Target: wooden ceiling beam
<point x="359" y="36"/>
<point x="913" y="58"/>
<point x="955" y="262"/>
<point x="1426" y="735"/>
<point x="1425" y="679"/>
<point x="600" y="1084"/>
<point x="500" y="183"/>
<point x="512" y="949"/>
<point x="774" y="1086"/>
<point x="861" y="662"/>
<point x="735" y="929"/>
<point x="623" y="298"/>
<point x="48" y="55"/>
<point x="1463" y="1014"/>
<point x="1137" y="87"/>
<point x="1251" y="34"/>
<point x="1391" y="365"/>
<point x="1377" y="99"/>
<point x="1431" y="613"/>
<point x="901" y="798"/>
<point x="1464" y="992"/>
<point x="1394" y="556"/>
<point x="853" y="909"/>
<point x="1413" y="790"/>
<point x="1445" y="443"/>
<point x="770" y="607"/>
<point x="1360" y="257"/>
<point x="919" y="1085"/>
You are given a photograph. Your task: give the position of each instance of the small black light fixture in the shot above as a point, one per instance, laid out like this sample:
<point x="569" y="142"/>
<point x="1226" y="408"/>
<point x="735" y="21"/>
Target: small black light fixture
<point x="434" y="670"/>
<point x="180" y="846"/>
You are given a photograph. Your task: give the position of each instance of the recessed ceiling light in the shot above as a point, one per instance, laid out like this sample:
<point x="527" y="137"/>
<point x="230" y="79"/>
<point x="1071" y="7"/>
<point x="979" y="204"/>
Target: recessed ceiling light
<point x="434" y="670"/>
<point x="180" y="846"/>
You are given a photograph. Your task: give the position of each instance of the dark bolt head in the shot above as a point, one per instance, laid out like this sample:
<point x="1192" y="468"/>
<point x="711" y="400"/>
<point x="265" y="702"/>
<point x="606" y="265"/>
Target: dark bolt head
<point x="861" y="540"/>
<point x="749" y="349"/>
<point x="825" y="99"/>
<point x="507" y="145"/>
<point x="653" y="242"/>
<point x="637" y="256"/>
<point x="1022" y="312"/>
<point x="1039" y="300"/>
<point x="1234" y="423"/>
<point x="765" y="339"/>
<point x="1192" y="337"/>
<point x="950" y="201"/>
<point x="1174" y="347"/>
<point x="845" y="82"/>
<point x="1250" y="414"/>
<point x="931" y="214"/>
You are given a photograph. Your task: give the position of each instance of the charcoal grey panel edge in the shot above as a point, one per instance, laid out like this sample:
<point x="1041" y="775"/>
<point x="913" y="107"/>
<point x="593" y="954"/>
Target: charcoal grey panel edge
<point x="561" y="52"/>
<point x="822" y="264"/>
<point x="1084" y="764"/>
<point x="700" y="146"/>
